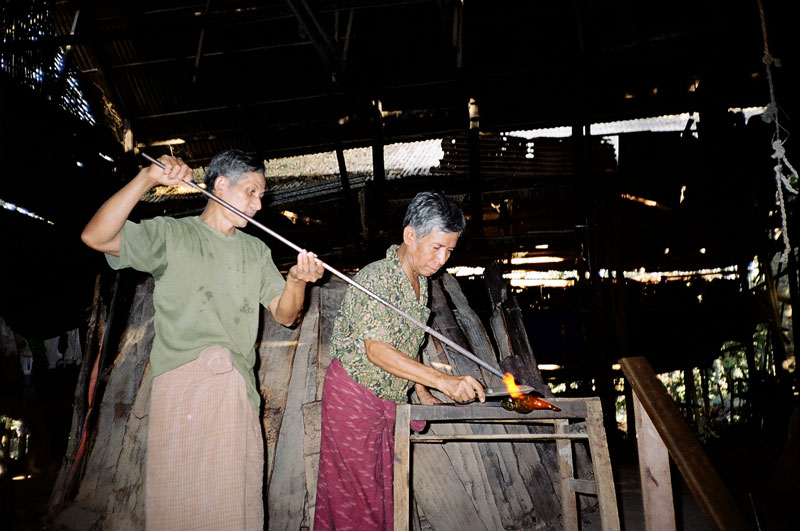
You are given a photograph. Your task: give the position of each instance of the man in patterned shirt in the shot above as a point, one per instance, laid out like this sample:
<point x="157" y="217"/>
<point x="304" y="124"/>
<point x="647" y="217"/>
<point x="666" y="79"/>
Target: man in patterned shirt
<point x="375" y="353"/>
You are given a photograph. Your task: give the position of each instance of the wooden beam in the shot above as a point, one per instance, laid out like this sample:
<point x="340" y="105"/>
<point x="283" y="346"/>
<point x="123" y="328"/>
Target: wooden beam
<point x="402" y="468"/>
<point x="475" y="191"/>
<point x="659" y="509"/>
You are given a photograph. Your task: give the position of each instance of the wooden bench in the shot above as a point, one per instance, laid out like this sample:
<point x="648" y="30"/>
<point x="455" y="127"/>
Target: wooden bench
<point x="584" y="409"/>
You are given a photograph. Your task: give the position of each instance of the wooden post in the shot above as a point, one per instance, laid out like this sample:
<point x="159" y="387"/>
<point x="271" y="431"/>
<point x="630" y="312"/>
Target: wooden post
<point x="706" y="394"/>
<point x="601" y="462"/>
<point x="566" y="469"/>
<point x="376" y="188"/>
<point x="476" y="192"/>
<point x="659" y="510"/>
<point x="747" y="333"/>
<point x="402" y="466"/>
<point x="347" y="193"/>
<point x="691" y="394"/>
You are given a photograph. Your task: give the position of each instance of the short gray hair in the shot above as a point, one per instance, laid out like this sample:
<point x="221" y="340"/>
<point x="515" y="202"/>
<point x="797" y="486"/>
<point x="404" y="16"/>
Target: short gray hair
<point x="232" y="163"/>
<point x="432" y="210"/>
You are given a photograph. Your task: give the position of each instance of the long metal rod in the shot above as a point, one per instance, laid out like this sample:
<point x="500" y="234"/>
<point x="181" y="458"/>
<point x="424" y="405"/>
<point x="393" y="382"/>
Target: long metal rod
<point x="341" y="275"/>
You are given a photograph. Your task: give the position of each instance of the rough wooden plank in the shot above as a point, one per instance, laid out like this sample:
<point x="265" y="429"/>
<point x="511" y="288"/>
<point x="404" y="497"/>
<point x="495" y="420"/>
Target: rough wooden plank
<point x="117" y="400"/>
<point x="446" y="324"/>
<point x="498" y="327"/>
<point x="496" y="286"/>
<point x="492" y="505"/>
<point x="532" y="467"/>
<point x="312" y="414"/>
<point x="473" y="330"/>
<point x="312" y="371"/>
<point x="463" y="457"/>
<point x="603" y="474"/>
<point x="509" y="330"/>
<point x="451" y="508"/>
<point x="656" y="481"/>
<point x="402" y="468"/>
<point x="538" y="461"/>
<point x="275" y="351"/>
<point x="287" y="487"/>
<point x="468" y="464"/>
<point x="125" y="508"/>
<point x="511" y="336"/>
<point x="505" y="480"/>
<point x="566" y="468"/>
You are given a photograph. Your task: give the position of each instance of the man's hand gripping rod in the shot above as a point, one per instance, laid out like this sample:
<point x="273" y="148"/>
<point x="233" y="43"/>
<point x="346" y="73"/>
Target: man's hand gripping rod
<point x="341" y="275"/>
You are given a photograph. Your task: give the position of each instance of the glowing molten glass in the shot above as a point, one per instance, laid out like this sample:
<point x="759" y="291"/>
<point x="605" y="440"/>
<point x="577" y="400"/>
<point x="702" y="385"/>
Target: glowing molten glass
<point x="511" y="385"/>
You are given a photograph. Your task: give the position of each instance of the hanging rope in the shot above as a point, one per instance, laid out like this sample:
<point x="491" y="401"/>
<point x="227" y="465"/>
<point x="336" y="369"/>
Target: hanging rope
<point x="779" y="153"/>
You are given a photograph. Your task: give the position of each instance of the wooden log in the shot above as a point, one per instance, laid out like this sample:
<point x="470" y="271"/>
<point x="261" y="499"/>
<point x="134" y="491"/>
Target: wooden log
<point x="287" y="487"/>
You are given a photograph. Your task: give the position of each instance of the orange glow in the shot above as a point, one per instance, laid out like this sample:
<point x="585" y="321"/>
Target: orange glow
<point x="511" y="385"/>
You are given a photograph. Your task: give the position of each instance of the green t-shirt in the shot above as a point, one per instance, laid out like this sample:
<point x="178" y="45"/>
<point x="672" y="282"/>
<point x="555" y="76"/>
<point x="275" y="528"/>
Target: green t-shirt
<point x="361" y="317"/>
<point x="208" y="286"/>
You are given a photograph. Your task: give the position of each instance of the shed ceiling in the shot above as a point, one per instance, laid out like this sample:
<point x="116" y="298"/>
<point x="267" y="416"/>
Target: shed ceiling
<point x="294" y="76"/>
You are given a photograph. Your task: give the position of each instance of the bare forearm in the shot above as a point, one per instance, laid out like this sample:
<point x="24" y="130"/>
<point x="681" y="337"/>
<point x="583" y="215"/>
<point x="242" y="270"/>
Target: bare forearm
<point x="103" y="230"/>
<point x="398" y="364"/>
<point x="287" y="306"/>
<point x="459" y="387"/>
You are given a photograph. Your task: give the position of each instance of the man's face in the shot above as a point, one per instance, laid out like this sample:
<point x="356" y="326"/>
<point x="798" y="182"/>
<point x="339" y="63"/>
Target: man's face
<point x="432" y="251"/>
<point x="245" y="195"/>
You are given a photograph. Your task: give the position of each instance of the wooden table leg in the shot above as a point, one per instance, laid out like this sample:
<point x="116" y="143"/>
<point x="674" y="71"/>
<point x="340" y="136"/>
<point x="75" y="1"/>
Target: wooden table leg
<point x="402" y="465"/>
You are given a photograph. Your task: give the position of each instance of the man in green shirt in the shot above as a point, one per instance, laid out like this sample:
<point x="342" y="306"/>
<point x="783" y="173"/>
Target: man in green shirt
<point x="205" y="452"/>
<point x="374" y="364"/>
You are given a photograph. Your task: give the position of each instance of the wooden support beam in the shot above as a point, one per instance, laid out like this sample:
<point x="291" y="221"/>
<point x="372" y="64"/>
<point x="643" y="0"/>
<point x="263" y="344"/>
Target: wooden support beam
<point x="354" y="220"/>
<point x="475" y="181"/>
<point x="402" y="469"/>
<point x="711" y="494"/>
<point x="659" y="510"/>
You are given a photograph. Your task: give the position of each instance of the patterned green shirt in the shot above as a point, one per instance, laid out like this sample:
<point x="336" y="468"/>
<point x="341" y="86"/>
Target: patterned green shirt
<point x="361" y="317"/>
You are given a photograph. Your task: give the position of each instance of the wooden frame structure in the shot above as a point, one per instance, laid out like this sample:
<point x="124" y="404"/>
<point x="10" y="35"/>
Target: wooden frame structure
<point x="584" y="409"/>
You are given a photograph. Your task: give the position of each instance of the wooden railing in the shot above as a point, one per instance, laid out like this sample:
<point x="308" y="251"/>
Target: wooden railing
<point x="663" y="429"/>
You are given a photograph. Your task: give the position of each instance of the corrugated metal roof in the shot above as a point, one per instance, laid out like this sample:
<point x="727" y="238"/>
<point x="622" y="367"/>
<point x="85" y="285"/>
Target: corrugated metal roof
<point x="400" y="160"/>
